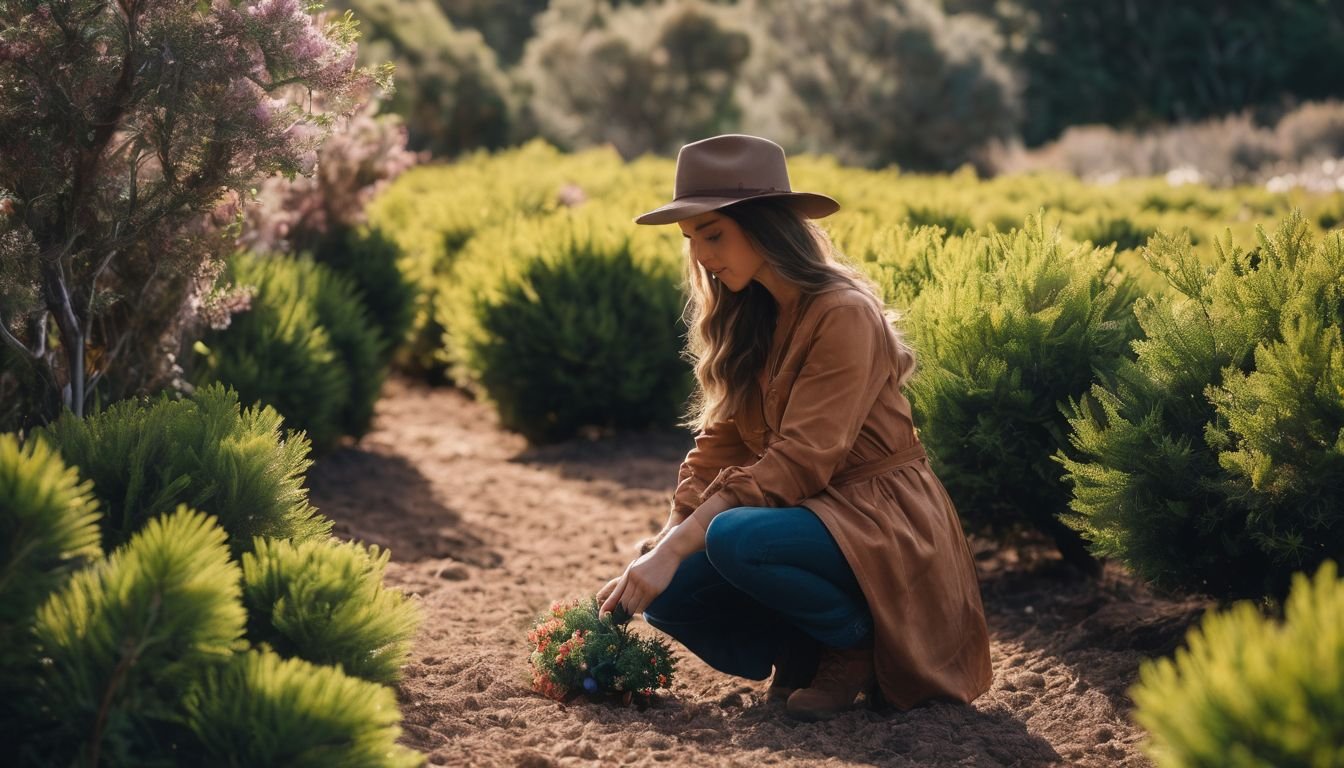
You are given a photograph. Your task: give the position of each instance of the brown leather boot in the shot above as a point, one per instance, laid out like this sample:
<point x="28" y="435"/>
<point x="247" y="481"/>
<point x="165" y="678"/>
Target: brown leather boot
<point x="841" y="675"/>
<point x="795" y="666"/>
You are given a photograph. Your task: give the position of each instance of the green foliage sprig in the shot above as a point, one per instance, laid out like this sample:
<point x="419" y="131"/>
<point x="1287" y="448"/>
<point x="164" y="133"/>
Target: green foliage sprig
<point x="48" y="529"/>
<point x="575" y="651"/>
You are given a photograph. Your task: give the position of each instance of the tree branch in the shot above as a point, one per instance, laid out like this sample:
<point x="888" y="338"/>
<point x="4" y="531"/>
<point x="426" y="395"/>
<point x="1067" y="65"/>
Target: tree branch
<point x="17" y="345"/>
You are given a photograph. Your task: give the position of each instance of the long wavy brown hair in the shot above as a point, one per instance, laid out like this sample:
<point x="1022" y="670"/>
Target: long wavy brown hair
<point x="729" y="334"/>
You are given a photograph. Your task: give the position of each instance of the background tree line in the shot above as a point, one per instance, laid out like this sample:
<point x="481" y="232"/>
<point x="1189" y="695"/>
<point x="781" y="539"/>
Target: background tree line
<point x="920" y="83"/>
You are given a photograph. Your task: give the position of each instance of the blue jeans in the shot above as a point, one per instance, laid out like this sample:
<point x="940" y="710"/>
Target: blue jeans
<point x="768" y="576"/>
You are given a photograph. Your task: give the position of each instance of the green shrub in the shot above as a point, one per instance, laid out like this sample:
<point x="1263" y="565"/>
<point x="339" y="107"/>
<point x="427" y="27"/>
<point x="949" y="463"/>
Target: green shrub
<point x="324" y="602"/>
<point x="147" y="458"/>
<point x="581" y="332"/>
<point x="1010" y="327"/>
<point x="1251" y="692"/>
<point x="358" y="344"/>
<point x="900" y="258"/>
<point x="877" y="82"/>
<point x="126" y="639"/>
<point x="48" y="528"/>
<point x="368" y="257"/>
<point x="305" y="347"/>
<point x="1121" y="231"/>
<point x="262" y="710"/>
<point x="1213" y="461"/>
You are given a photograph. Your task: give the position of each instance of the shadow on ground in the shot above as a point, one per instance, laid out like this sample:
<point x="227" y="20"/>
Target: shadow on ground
<point x="636" y="460"/>
<point x="383" y="499"/>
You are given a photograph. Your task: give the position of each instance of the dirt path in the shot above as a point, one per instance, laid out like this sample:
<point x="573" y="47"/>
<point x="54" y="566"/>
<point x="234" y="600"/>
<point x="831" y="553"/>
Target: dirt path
<point x="487" y="531"/>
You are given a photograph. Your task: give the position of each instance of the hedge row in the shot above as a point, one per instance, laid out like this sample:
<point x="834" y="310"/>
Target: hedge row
<point x="170" y="597"/>
<point x="1062" y="385"/>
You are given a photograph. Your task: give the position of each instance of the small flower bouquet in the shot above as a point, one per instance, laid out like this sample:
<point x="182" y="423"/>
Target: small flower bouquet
<point x="574" y="652"/>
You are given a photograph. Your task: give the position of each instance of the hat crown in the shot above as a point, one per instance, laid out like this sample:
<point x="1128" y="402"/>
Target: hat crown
<point x="730" y="165"/>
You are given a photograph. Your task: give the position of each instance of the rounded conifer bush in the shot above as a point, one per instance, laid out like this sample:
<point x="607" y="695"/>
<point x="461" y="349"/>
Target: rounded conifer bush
<point x="1008" y="328"/>
<point x="1213" y="461"/>
<point x="1247" y="691"/>
<point x="146" y="458"/>
<point x="581" y="331"/>
<point x="306" y="347"/>
<point x="324" y="602"/>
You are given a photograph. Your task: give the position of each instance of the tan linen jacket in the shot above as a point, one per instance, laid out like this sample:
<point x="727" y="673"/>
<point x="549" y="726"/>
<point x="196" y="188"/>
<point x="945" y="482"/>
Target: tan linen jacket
<point x="830" y="430"/>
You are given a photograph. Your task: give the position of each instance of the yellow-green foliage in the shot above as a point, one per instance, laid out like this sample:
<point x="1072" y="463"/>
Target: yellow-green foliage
<point x="579" y="325"/>
<point x="262" y="710"/>
<point x="324" y="602"/>
<point x="470" y="231"/>
<point x="484" y="208"/>
<point x="306" y="346"/>
<point x="1212" y="460"/>
<point x="145" y="458"/>
<point x="50" y="527"/>
<point x="1250" y="692"/>
<point x="1007" y="327"/>
<point x="435" y="213"/>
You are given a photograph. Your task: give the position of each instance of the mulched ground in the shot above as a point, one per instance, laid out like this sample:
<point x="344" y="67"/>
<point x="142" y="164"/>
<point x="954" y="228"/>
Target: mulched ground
<point x="486" y="530"/>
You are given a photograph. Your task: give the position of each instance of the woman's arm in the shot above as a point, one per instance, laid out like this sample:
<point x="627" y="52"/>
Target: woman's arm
<point x="718" y="446"/>
<point x="650" y="573"/>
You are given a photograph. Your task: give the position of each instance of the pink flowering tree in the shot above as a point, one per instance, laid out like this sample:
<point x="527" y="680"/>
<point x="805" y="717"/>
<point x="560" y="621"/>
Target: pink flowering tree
<point x="354" y="165"/>
<point x="128" y="131"/>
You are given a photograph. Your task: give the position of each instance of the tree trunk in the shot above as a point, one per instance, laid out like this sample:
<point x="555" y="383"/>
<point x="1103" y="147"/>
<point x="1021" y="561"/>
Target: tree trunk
<point x="72" y="337"/>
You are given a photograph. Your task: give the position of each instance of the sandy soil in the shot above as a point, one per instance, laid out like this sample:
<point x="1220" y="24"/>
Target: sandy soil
<point x="486" y="531"/>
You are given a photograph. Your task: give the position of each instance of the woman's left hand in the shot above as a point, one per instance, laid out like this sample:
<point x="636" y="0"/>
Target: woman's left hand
<point x="644" y="579"/>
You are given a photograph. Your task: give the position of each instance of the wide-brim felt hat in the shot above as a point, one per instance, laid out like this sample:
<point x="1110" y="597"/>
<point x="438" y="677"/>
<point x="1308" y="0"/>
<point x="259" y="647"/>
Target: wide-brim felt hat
<point x="722" y="170"/>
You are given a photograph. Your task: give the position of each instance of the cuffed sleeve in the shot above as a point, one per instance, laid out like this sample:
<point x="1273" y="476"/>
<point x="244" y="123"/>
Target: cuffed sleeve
<point x="845" y="369"/>
<point x="719" y="445"/>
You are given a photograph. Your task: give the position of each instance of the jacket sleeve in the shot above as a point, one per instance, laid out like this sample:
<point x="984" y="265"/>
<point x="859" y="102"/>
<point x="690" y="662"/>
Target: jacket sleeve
<point x="718" y="446"/>
<point x="844" y="371"/>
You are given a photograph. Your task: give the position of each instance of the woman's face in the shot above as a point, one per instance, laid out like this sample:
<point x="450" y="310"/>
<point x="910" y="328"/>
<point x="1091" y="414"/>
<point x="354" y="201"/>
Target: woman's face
<point x="717" y="242"/>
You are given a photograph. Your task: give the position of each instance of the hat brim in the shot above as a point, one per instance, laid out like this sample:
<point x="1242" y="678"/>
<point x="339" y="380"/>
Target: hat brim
<point x="810" y="204"/>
